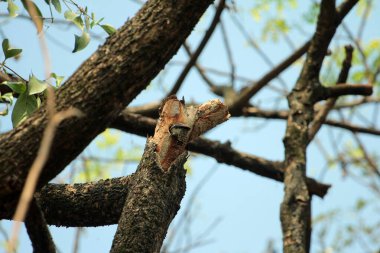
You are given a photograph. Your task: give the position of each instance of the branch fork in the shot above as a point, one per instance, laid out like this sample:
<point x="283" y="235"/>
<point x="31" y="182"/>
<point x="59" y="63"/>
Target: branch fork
<point x="158" y="185"/>
<point x="179" y="125"/>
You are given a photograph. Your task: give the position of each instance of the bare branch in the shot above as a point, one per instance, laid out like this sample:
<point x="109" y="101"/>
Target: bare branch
<point x="38" y="230"/>
<point x="38" y="164"/>
<point x="321" y="115"/>
<point x="224" y="153"/>
<point x="282" y="114"/>
<point x="244" y="97"/>
<point x="345" y="89"/>
<point x="200" y="48"/>
<point x="295" y="209"/>
<point x="229" y="54"/>
<point x="158" y="184"/>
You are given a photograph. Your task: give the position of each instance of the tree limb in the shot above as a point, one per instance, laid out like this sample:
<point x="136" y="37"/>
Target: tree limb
<point x="224" y="153"/>
<point x="295" y="208"/>
<point x="322" y="113"/>
<point x="119" y="69"/>
<point x="201" y="46"/>
<point x="158" y="185"/>
<point x="342" y="89"/>
<point x="38" y="230"/>
<point x="282" y="114"/>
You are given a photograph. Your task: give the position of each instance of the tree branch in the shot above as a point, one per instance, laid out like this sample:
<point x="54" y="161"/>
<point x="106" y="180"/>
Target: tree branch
<point x="295" y="208"/>
<point x="119" y="69"/>
<point x="345" y="89"/>
<point x="246" y="95"/>
<point x="198" y="51"/>
<point x="100" y="203"/>
<point x="79" y="205"/>
<point x="158" y="184"/>
<point x="224" y="153"/>
<point x="282" y="114"/>
<point x="38" y="230"/>
<point x="322" y="113"/>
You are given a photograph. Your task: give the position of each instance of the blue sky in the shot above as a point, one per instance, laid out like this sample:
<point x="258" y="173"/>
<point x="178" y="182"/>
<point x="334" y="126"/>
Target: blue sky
<point x="246" y="205"/>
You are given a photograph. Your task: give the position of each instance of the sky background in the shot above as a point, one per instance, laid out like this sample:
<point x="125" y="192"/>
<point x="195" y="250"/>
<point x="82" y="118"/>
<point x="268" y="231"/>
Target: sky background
<point x="235" y="211"/>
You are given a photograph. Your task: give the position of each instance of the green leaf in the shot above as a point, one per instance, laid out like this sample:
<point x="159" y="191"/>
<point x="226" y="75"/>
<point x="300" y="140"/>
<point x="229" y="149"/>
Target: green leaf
<point x="73" y="17"/>
<point x="18" y="87"/>
<point x="87" y="22"/>
<point x="7" y="97"/>
<point x="108" y="139"/>
<point x="100" y="20"/>
<point x="5" y="111"/>
<point x="38" y="99"/>
<point x="12" y="8"/>
<point x="273" y="28"/>
<point x="36" y="86"/>
<point x="38" y="13"/>
<point x="256" y="15"/>
<point x="24" y="107"/>
<point x="57" y="5"/>
<point x="108" y="29"/>
<point x="120" y="154"/>
<point x="78" y="22"/>
<point x="81" y="41"/>
<point x="360" y="204"/>
<point x="9" y="52"/>
<point x="312" y="13"/>
<point x="93" y="23"/>
<point x="58" y="79"/>
<point x="69" y="15"/>
<point x="5" y="45"/>
<point x="358" y="76"/>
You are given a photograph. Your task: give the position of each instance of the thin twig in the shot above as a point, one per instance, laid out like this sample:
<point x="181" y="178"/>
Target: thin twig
<point x="43" y="153"/>
<point x="264" y="80"/>
<point x="35" y="170"/>
<point x="283" y="114"/>
<point x="366" y="156"/>
<point x="190" y="202"/>
<point x="78" y="234"/>
<point x="255" y="45"/>
<point x="200" y="48"/>
<point x="222" y="152"/>
<point x="38" y="230"/>
<point x="321" y="116"/>
<point x="229" y="53"/>
<point x="363" y="20"/>
<point x="198" y="68"/>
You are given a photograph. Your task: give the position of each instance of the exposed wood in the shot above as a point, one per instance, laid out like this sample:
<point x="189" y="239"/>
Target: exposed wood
<point x="158" y="186"/>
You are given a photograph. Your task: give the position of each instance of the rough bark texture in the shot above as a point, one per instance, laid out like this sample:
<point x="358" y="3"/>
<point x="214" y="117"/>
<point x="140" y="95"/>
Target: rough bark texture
<point x="79" y="205"/>
<point x="84" y="205"/>
<point x="158" y="186"/>
<point x="153" y="200"/>
<point x="101" y="87"/>
<point x="38" y="230"/>
<point x="222" y="152"/>
<point x="100" y="203"/>
<point x="295" y="208"/>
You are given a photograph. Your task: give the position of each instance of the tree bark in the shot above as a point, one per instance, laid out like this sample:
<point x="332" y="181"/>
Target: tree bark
<point x="38" y="230"/>
<point x="101" y="87"/>
<point x="222" y="152"/>
<point x="295" y="209"/>
<point x="158" y="186"/>
<point x="153" y="201"/>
